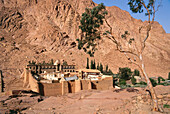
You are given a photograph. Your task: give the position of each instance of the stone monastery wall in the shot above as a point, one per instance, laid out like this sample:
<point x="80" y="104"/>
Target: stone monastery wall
<point x="55" y="89"/>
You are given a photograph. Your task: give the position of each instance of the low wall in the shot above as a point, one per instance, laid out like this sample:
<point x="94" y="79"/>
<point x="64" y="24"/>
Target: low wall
<point x="85" y="84"/>
<point x="104" y="84"/>
<point x="50" y="89"/>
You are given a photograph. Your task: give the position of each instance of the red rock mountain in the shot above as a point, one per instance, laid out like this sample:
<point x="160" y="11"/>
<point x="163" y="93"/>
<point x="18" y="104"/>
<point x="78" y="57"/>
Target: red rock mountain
<point x="44" y="29"/>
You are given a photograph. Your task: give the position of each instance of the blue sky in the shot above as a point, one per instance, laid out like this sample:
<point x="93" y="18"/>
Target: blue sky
<point x="162" y="16"/>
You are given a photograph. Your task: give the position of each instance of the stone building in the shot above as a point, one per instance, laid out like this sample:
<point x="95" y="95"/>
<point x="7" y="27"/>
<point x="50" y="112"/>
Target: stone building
<point x="87" y="73"/>
<point x="68" y="68"/>
<point x="47" y="68"/>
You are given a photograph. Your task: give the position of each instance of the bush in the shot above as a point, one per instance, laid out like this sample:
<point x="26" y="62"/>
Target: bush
<point x="169" y="76"/>
<point x="142" y="83"/>
<point x="122" y="82"/>
<point x="166" y="84"/>
<point x="137" y="85"/>
<point x="166" y="106"/>
<point x="159" y="79"/>
<point x="133" y="80"/>
<point x="153" y="82"/>
<point x="1" y="39"/>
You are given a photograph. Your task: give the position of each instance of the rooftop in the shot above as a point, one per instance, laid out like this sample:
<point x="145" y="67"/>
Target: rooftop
<point x="89" y="70"/>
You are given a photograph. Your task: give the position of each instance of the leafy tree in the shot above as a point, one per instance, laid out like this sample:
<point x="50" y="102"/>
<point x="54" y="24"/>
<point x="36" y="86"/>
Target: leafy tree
<point x="87" y="67"/>
<point x="91" y="20"/>
<point x="133" y="80"/>
<point x="131" y="47"/>
<point x="125" y="73"/>
<point x="136" y="72"/>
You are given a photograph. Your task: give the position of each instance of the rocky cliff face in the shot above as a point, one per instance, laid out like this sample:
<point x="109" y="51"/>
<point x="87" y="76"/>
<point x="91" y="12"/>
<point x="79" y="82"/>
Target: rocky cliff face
<point x="41" y="30"/>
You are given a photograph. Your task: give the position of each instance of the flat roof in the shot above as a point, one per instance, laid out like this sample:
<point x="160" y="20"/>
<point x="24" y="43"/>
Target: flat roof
<point x="89" y="70"/>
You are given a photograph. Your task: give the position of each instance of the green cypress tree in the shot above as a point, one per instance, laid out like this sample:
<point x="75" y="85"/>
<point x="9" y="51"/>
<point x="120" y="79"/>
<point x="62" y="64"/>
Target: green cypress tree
<point x="107" y="68"/>
<point x="94" y="65"/>
<point x="91" y="64"/>
<point x="101" y="68"/>
<point x="98" y="66"/>
<point x="87" y="67"/>
<point x="136" y="72"/>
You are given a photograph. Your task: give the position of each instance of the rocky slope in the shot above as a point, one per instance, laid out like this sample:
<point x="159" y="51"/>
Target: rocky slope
<point x="41" y="30"/>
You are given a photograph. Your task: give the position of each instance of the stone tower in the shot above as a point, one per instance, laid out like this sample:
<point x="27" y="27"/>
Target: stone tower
<point x="57" y="63"/>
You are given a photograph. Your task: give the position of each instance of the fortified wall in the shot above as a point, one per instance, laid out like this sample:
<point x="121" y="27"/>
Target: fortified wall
<point x="64" y="87"/>
<point x="29" y="81"/>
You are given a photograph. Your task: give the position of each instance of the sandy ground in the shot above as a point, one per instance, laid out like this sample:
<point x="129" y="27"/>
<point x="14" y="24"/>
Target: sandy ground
<point x="94" y="102"/>
<point x="88" y="102"/>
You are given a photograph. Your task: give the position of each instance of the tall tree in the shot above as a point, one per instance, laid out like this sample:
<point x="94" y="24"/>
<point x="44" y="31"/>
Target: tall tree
<point x="98" y="66"/>
<point x="131" y="47"/>
<point x="125" y="73"/>
<point x="94" y="65"/>
<point x="91" y="64"/>
<point x="90" y="23"/>
<point x="101" y="68"/>
<point x="87" y="67"/>
<point x="107" y="68"/>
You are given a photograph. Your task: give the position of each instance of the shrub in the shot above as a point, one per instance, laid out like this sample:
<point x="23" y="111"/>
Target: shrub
<point x="122" y="82"/>
<point x="122" y="86"/>
<point x="133" y="80"/>
<point x="142" y="83"/>
<point x="169" y="76"/>
<point x="159" y="79"/>
<point x="166" y="106"/>
<point x="1" y="39"/>
<point x="153" y="82"/>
